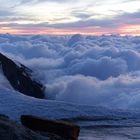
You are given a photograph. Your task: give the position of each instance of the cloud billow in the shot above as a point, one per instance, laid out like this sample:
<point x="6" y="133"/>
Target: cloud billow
<point x="95" y="70"/>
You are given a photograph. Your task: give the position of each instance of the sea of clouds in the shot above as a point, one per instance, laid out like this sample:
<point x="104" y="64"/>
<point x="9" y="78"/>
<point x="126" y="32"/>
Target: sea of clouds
<point x="94" y="70"/>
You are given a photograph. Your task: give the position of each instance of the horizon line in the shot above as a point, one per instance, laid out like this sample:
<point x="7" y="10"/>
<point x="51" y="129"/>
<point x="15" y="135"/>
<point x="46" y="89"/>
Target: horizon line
<point x="69" y="34"/>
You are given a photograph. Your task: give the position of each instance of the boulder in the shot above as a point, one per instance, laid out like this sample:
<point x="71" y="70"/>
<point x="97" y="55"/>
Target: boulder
<point x="10" y="130"/>
<point x="66" y="130"/>
<point x="20" y="78"/>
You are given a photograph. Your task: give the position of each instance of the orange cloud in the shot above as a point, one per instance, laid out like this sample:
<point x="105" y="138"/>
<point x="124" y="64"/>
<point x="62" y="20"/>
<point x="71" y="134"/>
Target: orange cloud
<point x="4" y="30"/>
<point x="123" y="30"/>
<point x="130" y="30"/>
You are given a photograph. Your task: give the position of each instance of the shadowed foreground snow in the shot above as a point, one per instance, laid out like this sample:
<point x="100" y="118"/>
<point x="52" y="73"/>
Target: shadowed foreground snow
<point x="95" y="122"/>
<point x="14" y="104"/>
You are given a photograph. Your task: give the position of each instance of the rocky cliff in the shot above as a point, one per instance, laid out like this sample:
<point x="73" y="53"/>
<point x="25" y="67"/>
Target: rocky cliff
<point x="20" y="78"/>
<point x="10" y="130"/>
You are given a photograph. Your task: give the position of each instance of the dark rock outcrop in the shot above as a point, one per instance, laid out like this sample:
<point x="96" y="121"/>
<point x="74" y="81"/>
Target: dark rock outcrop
<point x="10" y="130"/>
<point x="20" y="79"/>
<point x="66" y="130"/>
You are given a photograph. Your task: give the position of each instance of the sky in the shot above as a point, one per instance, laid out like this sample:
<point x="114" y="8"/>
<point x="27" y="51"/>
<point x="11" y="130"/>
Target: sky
<point x="95" y="17"/>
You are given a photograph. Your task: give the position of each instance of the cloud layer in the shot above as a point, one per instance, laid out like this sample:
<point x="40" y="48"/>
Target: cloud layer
<point x="95" y="70"/>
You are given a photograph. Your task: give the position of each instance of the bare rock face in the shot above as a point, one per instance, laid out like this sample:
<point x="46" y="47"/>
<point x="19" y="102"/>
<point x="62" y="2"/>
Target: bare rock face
<point x="10" y="130"/>
<point x="66" y="130"/>
<point x="20" y="79"/>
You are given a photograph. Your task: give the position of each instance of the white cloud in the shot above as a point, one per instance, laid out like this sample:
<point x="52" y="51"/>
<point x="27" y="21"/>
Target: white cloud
<point x="101" y="68"/>
<point x="95" y="70"/>
<point x="120" y="92"/>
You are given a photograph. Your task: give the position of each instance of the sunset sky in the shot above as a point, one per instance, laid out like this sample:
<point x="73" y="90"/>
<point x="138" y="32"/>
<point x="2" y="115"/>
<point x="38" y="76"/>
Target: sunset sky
<point x="70" y="17"/>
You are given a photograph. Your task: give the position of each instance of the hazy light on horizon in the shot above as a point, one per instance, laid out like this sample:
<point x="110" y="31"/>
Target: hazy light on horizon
<point x="70" y="17"/>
